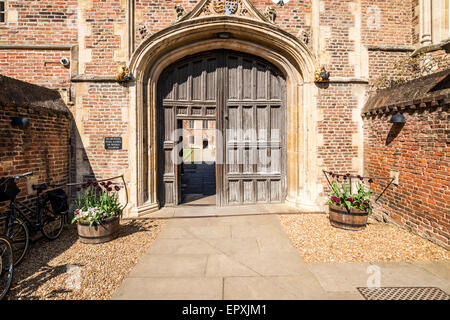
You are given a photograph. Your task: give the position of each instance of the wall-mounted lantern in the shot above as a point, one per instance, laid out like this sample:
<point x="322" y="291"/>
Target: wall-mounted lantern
<point x="398" y="118"/>
<point x="19" y="122"/>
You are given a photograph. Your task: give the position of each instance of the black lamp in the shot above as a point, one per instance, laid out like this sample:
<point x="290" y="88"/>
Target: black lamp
<point x="19" y="122"/>
<point x="398" y="118"/>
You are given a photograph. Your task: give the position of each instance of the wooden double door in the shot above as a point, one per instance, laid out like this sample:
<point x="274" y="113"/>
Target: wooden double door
<point x="246" y="97"/>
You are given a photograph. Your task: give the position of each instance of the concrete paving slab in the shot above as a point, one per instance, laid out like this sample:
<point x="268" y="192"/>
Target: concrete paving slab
<point x="175" y="233"/>
<point x="406" y="274"/>
<point x="253" y="231"/>
<point x="169" y="265"/>
<point x="336" y="277"/>
<point x="254" y="288"/>
<point x="225" y="266"/>
<point x="210" y="232"/>
<point x="440" y="269"/>
<point x="235" y="246"/>
<point x="276" y="288"/>
<point x="181" y="222"/>
<point x="273" y="263"/>
<point x="192" y="288"/>
<point x="342" y="295"/>
<point x="348" y="276"/>
<point x="182" y="246"/>
<point x="273" y="243"/>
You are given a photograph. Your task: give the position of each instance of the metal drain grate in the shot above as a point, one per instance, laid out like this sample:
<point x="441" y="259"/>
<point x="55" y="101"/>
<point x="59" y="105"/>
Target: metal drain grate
<point x="403" y="293"/>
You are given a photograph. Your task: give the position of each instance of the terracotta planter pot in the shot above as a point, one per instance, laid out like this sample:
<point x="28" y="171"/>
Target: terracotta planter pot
<point x="107" y="231"/>
<point x="354" y="220"/>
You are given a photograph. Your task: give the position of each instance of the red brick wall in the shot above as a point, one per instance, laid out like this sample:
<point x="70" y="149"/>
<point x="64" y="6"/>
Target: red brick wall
<point x="337" y="104"/>
<point x="43" y="147"/>
<point x="41" y="22"/>
<point x="338" y="16"/>
<point x="381" y="64"/>
<point x="102" y="17"/>
<point x="395" y="22"/>
<point x="103" y="109"/>
<point x="420" y="152"/>
<point x="41" y="67"/>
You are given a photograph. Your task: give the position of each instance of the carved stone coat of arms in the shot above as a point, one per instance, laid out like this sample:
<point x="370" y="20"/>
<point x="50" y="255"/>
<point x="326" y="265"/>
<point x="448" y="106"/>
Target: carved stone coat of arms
<point x="226" y="7"/>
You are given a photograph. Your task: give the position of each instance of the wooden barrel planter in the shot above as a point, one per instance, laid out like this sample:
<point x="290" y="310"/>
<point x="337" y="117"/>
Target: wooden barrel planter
<point x="341" y="218"/>
<point x="107" y="231"/>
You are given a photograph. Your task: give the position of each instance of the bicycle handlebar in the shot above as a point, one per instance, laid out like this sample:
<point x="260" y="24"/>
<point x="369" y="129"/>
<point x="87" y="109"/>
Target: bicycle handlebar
<point x="23" y="175"/>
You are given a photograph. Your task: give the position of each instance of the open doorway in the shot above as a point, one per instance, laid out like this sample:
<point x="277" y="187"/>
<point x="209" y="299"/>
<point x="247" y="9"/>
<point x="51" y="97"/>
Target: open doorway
<point x="198" y="169"/>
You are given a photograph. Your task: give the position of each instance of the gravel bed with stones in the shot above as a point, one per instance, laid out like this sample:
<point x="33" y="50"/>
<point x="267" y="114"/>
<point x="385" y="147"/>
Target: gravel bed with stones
<point x="318" y="242"/>
<point x="70" y="270"/>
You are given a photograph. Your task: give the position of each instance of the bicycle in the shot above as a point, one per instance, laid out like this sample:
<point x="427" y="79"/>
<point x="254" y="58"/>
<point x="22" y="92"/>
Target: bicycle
<point x="48" y="216"/>
<point x="6" y="266"/>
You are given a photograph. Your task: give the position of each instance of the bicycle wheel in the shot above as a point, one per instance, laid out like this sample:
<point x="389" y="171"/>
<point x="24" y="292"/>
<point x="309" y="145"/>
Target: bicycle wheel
<point x="6" y="266"/>
<point x="19" y="237"/>
<point x="52" y="224"/>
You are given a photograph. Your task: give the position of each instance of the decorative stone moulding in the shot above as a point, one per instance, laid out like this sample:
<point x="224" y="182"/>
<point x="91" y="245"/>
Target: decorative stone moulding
<point x="321" y="75"/>
<point x="240" y="8"/>
<point x="270" y="14"/>
<point x="180" y="11"/>
<point x="123" y="73"/>
<point x="143" y="31"/>
<point x="304" y="36"/>
<point x="223" y="7"/>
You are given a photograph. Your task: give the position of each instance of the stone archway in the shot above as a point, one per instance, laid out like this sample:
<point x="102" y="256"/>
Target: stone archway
<point x="241" y="34"/>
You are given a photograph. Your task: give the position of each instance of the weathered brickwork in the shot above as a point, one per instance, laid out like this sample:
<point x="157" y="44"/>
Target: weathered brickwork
<point x="381" y="64"/>
<point x="40" y="22"/>
<point x="41" y="67"/>
<point x="337" y="103"/>
<point x="105" y="19"/>
<point x="419" y="151"/>
<point x="104" y="114"/>
<point x="338" y="17"/>
<point x="402" y="66"/>
<point x="43" y="147"/>
<point x="386" y="22"/>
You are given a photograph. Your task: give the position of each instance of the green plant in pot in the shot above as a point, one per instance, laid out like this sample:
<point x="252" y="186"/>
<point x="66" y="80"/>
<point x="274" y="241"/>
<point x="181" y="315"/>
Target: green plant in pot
<point x="98" y="212"/>
<point x="349" y="210"/>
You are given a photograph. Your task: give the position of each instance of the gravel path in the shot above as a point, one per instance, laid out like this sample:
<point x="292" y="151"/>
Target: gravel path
<point x="318" y="242"/>
<point x="51" y="268"/>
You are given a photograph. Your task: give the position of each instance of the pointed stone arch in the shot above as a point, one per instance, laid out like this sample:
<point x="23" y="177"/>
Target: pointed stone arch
<point x="248" y="34"/>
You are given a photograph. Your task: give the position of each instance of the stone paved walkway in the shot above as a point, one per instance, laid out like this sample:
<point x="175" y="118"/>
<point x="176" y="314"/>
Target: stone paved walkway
<point x="251" y="257"/>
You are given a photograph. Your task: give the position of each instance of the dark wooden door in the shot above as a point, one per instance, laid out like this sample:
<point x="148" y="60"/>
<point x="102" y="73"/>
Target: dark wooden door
<point x="246" y="97"/>
<point x="255" y="131"/>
